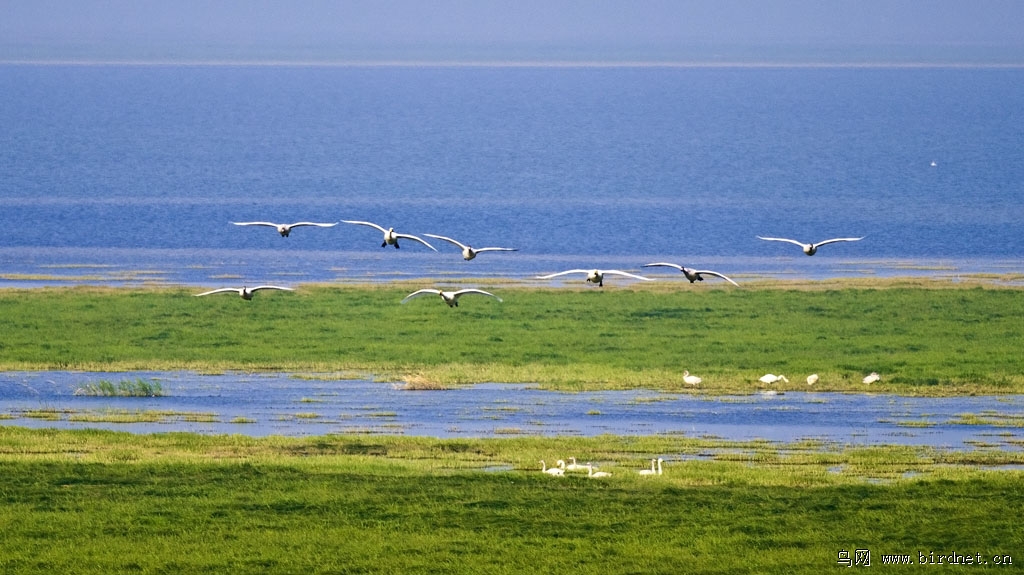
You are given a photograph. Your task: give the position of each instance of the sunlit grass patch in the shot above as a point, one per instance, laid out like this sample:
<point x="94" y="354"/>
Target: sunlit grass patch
<point x="137" y="387"/>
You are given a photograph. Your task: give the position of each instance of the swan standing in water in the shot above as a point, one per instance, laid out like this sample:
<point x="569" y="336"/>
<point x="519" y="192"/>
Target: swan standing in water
<point x="596" y="276"/>
<point x="391" y="237"/>
<point x="469" y="252"/>
<point x="595" y="474"/>
<point x="450" y="297"/>
<point x="243" y="291"/>
<point x="690" y="379"/>
<point x="690" y="273"/>
<point x="285" y="229"/>
<point x="772" y="378"/>
<point x="652" y="470"/>
<point x="553" y="471"/>
<point x="811" y="249"/>
<point x="872" y="377"/>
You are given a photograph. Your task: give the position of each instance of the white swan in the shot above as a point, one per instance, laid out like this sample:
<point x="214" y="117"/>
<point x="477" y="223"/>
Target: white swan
<point x="690" y="273"/>
<point x="450" y="297"/>
<point x="243" y="291"/>
<point x="575" y="466"/>
<point x="812" y="379"/>
<point x="553" y="471"/>
<point x="285" y="229"/>
<point x="652" y="470"/>
<point x="772" y="378"/>
<point x="391" y="237"/>
<point x="596" y="276"/>
<point x="469" y="252"/>
<point x="811" y="249"/>
<point x="872" y="377"/>
<point x="595" y="474"/>
<point x="690" y="379"/>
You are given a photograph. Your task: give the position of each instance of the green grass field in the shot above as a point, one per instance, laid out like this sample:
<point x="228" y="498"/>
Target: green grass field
<point x="106" y="502"/>
<point x="921" y="338"/>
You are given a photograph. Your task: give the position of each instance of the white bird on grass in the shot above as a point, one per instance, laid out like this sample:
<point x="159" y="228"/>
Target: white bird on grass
<point x="596" y="474"/>
<point x="285" y="229"/>
<point x="811" y="249"/>
<point x="812" y="379"/>
<point x="391" y="237"/>
<point x="450" y="297"/>
<point x="575" y="466"/>
<point x="690" y="379"/>
<point x="553" y="471"/>
<point x="652" y="470"/>
<point x="690" y="273"/>
<point x="596" y="276"/>
<point x="872" y="377"/>
<point x="243" y="291"/>
<point x="469" y="252"/>
<point x="772" y="378"/>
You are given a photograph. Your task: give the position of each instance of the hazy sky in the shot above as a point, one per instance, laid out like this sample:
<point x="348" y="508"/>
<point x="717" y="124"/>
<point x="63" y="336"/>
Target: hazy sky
<point x="514" y="30"/>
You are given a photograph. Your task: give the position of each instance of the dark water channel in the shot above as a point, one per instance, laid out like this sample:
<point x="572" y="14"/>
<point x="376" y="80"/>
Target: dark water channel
<point x="290" y="405"/>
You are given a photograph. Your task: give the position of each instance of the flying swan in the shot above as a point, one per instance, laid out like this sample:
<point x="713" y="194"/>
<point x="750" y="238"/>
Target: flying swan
<point x="450" y="297"/>
<point x="596" y="276"/>
<point x="285" y="229"/>
<point x="243" y="291"/>
<point x="469" y="252"/>
<point x="692" y="274"/>
<point x="391" y="237"/>
<point x="811" y="249"/>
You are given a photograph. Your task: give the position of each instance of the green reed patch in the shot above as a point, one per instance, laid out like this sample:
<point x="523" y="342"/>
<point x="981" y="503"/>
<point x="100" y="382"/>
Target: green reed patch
<point x="137" y="387"/>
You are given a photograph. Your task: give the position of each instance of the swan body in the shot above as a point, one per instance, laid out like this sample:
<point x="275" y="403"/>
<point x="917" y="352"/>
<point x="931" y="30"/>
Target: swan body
<point x="469" y="252"/>
<point x="812" y="379"/>
<point x="243" y="291"/>
<point x="575" y="466"/>
<point x="652" y="470"/>
<point x="391" y="237"/>
<point x="872" y="377"/>
<point x="595" y="474"/>
<point x="772" y="378"/>
<point x="285" y="229"/>
<point x="552" y="471"/>
<point x="811" y="249"/>
<point x="596" y="276"/>
<point x="690" y="379"/>
<point x="690" y="273"/>
<point x="450" y="297"/>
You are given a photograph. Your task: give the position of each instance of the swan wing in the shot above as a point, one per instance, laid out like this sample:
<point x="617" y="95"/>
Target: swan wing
<point x="474" y="290"/>
<point x="716" y="274"/>
<point x="801" y="244"/>
<point x="478" y="250"/>
<point x="664" y="264"/>
<point x="566" y="272"/>
<point x="297" y="224"/>
<point x="626" y="274"/>
<point x="416" y="239"/>
<point x="257" y="288"/>
<point x="271" y="224"/>
<point x="371" y="224"/>
<point x="422" y="292"/>
<point x="834" y="240"/>
<point x="449" y="240"/>
<point x="221" y="290"/>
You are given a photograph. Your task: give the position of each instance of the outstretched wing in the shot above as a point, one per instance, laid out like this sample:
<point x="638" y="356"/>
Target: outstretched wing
<point x="221" y="290"/>
<point x="257" y="288"/>
<point x="716" y="274"/>
<point x="414" y="238"/>
<point x="449" y="240"/>
<point x="297" y="224"/>
<point x="371" y="224"/>
<point x="567" y="272"/>
<point x="626" y="274"/>
<point x="418" y="293"/>
<point x="665" y="264"/>
<point x="474" y="290"/>
<point x="801" y="244"/>
<point x="834" y="240"/>
<point x="478" y="250"/>
<point x="271" y="224"/>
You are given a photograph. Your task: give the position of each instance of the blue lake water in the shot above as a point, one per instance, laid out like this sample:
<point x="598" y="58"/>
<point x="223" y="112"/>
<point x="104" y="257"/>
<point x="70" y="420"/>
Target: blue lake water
<point x="131" y="174"/>
<point x="282" y="404"/>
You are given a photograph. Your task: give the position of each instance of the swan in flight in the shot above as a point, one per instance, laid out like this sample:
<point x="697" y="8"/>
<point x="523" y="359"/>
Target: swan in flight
<point x="772" y="378"/>
<point x="652" y="470"/>
<point x="811" y="249"/>
<point x="391" y="237"/>
<point x="575" y="466"/>
<point x="243" y="291"/>
<point x="690" y="379"/>
<point x="596" y="276"/>
<point x="285" y="229"/>
<point x="469" y="252"/>
<point x="450" y="297"/>
<point x="595" y="474"/>
<point x="872" y="377"/>
<point x="812" y="379"/>
<point x="553" y="471"/>
<point x="692" y="274"/>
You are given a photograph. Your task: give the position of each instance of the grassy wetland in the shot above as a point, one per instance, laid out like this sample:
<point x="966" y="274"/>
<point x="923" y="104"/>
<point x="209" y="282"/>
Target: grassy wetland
<point x="89" y="501"/>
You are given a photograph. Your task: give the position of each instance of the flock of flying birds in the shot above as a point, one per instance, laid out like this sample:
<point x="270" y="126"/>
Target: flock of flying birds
<point x="594" y="276"/>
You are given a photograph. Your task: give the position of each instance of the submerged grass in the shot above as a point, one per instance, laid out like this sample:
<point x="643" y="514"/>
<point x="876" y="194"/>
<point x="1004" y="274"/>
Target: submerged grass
<point x="921" y="339"/>
<point x="105" y="502"/>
